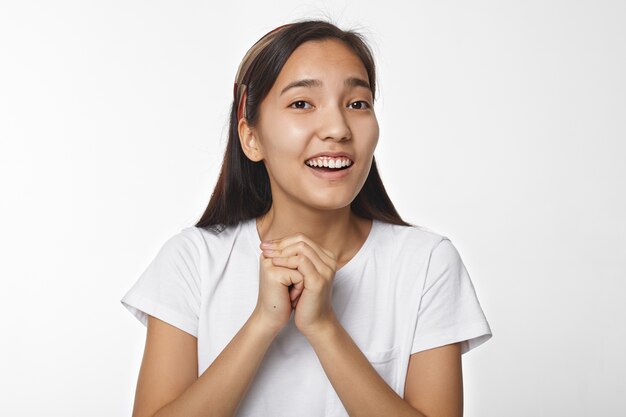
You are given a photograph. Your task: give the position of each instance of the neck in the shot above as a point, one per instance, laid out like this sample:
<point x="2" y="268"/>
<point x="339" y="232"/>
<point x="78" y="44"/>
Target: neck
<point x="340" y="231"/>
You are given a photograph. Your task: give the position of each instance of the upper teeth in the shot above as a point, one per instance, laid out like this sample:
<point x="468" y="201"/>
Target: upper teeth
<point x="325" y="161"/>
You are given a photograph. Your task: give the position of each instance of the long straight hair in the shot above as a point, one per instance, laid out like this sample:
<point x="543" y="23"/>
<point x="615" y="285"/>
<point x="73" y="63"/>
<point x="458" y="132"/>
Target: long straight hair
<point x="243" y="188"/>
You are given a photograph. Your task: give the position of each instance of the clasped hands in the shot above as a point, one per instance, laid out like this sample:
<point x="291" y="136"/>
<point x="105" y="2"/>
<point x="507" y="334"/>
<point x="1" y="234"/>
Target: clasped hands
<point x="296" y="273"/>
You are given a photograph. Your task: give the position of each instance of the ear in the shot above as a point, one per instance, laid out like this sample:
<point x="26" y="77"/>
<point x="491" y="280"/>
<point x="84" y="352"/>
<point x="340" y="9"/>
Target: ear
<point x="249" y="141"/>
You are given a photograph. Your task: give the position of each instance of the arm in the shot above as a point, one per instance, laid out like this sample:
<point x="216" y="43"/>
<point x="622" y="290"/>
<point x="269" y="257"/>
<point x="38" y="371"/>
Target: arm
<point x="434" y="384"/>
<point x="168" y="384"/>
<point x="168" y="380"/>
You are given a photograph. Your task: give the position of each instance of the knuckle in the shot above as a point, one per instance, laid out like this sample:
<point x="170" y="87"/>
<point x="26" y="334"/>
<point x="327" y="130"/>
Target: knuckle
<point x="296" y="276"/>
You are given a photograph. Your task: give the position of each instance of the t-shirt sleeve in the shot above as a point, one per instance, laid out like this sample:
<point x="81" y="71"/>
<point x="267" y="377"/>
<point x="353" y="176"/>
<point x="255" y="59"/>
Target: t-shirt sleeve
<point x="449" y="310"/>
<point x="169" y="288"/>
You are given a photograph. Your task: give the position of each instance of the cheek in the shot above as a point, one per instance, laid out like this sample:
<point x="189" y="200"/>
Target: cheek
<point x="286" y="138"/>
<point x="375" y="134"/>
<point x="298" y="129"/>
<point x="369" y="131"/>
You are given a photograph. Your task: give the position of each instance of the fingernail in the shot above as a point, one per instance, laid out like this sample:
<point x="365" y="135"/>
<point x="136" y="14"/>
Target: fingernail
<point x="269" y="251"/>
<point x="266" y="243"/>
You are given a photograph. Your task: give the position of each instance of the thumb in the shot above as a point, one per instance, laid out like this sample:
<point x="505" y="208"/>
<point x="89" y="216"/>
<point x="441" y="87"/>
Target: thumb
<point x="295" y="290"/>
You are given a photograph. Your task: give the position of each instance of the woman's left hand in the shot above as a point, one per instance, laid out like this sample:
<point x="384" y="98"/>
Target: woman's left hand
<point x="313" y="301"/>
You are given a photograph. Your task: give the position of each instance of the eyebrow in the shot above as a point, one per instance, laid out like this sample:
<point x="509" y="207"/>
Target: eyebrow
<point x="349" y="82"/>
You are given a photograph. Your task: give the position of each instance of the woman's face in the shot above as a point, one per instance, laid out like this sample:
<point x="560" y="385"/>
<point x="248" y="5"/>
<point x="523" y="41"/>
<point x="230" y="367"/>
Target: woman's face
<point x="317" y="129"/>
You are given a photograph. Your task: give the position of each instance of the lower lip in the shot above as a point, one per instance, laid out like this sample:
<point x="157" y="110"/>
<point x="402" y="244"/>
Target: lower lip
<point x="331" y="175"/>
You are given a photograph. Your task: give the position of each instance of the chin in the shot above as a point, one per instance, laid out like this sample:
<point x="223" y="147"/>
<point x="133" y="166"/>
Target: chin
<point x="330" y="207"/>
<point x="328" y="201"/>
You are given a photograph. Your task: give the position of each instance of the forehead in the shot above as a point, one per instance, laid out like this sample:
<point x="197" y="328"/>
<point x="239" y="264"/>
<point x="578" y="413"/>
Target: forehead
<point x="315" y="59"/>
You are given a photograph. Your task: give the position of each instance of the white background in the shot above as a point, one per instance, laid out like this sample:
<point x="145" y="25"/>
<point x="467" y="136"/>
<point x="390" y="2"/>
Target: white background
<point x="502" y="127"/>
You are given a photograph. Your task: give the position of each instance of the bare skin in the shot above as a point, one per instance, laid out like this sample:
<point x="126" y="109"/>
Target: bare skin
<point x="308" y="234"/>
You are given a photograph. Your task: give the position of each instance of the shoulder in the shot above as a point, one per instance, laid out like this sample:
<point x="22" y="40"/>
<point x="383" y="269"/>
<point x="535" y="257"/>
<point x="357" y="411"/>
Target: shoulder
<point x="193" y="236"/>
<point x="413" y="238"/>
<point x="413" y="247"/>
<point x="186" y="239"/>
<point x="201" y="240"/>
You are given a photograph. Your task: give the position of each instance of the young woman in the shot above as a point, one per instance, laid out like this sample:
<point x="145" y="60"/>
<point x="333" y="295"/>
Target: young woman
<point x="301" y="291"/>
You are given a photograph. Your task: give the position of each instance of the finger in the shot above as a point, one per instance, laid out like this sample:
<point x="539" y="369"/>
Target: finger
<point x="287" y="276"/>
<point x="297" y="300"/>
<point x="328" y="257"/>
<point x="294" y="303"/>
<point x="295" y="291"/>
<point x="303" y="249"/>
<point x="300" y="237"/>
<point x="294" y="277"/>
<point x="304" y="266"/>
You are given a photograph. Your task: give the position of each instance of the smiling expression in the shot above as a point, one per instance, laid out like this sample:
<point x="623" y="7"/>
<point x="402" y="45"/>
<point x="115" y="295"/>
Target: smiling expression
<point x="317" y="130"/>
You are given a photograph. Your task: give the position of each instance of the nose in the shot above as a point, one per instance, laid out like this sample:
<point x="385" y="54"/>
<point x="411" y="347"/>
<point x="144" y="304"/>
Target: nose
<point x="333" y="125"/>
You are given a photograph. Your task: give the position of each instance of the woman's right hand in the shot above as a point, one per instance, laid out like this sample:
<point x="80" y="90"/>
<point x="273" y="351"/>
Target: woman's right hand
<point x="279" y="287"/>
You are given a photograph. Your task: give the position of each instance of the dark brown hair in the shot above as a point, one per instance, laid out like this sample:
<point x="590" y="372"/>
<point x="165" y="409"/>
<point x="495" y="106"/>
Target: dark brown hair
<point x="243" y="189"/>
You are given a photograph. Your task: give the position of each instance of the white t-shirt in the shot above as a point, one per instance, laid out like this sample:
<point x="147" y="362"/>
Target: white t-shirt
<point x="406" y="290"/>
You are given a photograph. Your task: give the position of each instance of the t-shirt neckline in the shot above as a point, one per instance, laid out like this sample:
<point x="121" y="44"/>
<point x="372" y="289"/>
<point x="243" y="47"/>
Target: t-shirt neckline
<point x="346" y="270"/>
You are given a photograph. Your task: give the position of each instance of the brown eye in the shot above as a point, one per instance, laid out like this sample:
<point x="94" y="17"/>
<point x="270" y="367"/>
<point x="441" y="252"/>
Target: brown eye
<point x="300" y="104"/>
<point x="361" y="105"/>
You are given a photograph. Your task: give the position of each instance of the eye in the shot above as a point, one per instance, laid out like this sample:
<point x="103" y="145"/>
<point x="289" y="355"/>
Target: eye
<point x="300" y="104"/>
<point x="361" y="105"/>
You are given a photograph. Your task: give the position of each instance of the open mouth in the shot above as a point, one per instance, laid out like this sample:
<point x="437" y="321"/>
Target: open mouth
<point x="329" y="164"/>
